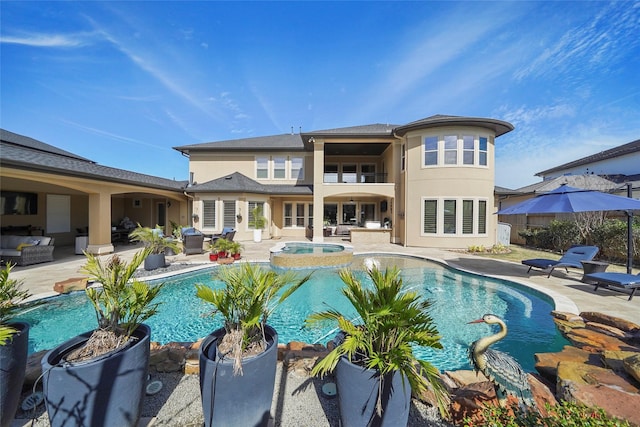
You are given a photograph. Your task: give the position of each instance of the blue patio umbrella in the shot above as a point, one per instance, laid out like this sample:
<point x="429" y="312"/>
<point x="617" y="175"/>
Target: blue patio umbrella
<point x="565" y="199"/>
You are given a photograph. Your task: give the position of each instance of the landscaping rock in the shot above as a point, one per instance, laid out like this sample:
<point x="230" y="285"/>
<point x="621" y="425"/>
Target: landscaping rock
<point x="547" y="363"/>
<point x="73" y="284"/>
<point x="631" y="365"/>
<point x="606" y="319"/>
<point x="595" y="341"/>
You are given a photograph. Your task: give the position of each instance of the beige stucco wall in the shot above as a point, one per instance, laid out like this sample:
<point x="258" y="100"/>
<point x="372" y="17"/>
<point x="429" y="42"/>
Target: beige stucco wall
<point x="446" y="182"/>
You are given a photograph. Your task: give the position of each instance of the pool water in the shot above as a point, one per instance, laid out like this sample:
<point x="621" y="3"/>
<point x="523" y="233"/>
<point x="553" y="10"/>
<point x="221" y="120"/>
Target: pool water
<point x="311" y="248"/>
<point x="457" y="298"/>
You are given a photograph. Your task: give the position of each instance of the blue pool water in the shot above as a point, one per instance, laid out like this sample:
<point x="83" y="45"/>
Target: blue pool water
<point x="311" y="248"/>
<point x="457" y="297"/>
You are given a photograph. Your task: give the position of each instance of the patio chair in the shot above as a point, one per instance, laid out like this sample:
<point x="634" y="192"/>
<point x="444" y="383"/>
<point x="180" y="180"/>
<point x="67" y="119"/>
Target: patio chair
<point x="571" y="258"/>
<point x="630" y="282"/>
<point x="192" y="241"/>
<point x="227" y="233"/>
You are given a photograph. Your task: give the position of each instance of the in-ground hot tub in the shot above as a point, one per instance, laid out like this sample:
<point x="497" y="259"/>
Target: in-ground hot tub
<point x="305" y="255"/>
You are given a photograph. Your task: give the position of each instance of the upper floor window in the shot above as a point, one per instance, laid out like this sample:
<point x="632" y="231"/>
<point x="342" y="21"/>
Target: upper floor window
<point x="450" y="149"/>
<point x="297" y="170"/>
<point x="349" y="173"/>
<point x="456" y="150"/>
<point x="431" y="150"/>
<point x="279" y="167"/>
<point x="482" y="151"/>
<point x="262" y="167"/>
<point x="468" y="149"/>
<point x="402" y="158"/>
<point x="368" y="173"/>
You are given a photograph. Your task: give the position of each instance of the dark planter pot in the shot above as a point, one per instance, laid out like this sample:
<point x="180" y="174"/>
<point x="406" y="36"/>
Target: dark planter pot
<point x="106" y="391"/>
<point x="13" y="363"/>
<point x="154" y="261"/>
<point x="358" y="394"/>
<point x="237" y="400"/>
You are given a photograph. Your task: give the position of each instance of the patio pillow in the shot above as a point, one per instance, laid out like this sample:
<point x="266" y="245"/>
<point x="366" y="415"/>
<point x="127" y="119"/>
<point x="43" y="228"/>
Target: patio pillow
<point x="23" y="245"/>
<point x="45" y="241"/>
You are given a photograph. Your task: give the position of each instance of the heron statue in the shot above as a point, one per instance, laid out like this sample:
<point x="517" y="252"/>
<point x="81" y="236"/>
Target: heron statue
<point x="502" y="370"/>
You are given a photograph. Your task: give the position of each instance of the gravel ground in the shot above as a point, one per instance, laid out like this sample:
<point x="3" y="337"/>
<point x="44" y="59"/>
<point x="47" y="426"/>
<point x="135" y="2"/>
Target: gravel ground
<point x="298" y="401"/>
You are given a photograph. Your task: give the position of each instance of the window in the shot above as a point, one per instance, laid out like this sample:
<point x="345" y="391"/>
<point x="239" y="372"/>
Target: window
<point x="482" y="216"/>
<point x="297" y="171"/>
<point x="349" y="173"/>
<point x="262" y="168"/>
<point x="402" y="157"/>
<point x="430" y="217"/>
<point x="330" y="213"/>
<point x="431" y="151"/>
<point x="330" y="173"/>
<point x="482" y="151"/>
<point x="229" y="213"/>
<point x="288" y="214"/>
<point x="367" y="212"/>
<point x="279" y="167"/>
<point x="449" y="218"/>
<point x="467" y="217"/>
<point x="368" y="173"/>
<point x="468" y="149"/>
<point x="209" y="214"/>
<point x="450" y="149"/>
<point x="300" y="215"/>
<point x="252" y="207"/>
<point x="310" y="214"/>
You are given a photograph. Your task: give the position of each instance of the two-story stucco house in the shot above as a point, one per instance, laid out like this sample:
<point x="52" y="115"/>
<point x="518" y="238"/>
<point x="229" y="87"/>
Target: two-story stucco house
<point x="425" y="183"/>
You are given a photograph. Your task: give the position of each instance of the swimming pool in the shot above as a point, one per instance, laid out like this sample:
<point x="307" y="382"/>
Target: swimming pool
<point x="458" y="298"/>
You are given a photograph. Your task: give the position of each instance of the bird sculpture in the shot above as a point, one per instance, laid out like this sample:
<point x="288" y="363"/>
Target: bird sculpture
<point x="501" y="369"/>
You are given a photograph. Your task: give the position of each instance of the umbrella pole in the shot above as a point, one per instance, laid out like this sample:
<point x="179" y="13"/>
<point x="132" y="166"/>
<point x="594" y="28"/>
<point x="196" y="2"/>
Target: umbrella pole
<point x="629" y="234"/>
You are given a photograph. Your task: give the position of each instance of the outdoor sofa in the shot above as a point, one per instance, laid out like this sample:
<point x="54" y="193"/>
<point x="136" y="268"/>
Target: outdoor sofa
<point x="26" y="250"/>
<point x="192" y="241"/>
<point x="571" y="258"/>
<point x="630" y="282"/>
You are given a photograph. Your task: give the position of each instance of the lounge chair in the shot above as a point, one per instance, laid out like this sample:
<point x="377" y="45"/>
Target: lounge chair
<point x="626" y="281"/>
<point x="571" y="258"/>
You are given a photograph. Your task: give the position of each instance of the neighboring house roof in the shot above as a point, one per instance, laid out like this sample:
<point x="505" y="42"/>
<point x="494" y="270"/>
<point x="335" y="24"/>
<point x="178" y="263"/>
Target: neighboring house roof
<point x="27" y="153"/>
<point x="622" y="150"/>
<point x="239" y="183"/>
<point x="289" y="142"/>
<point x="503" y="191"/>
<point x="588" y="182"/>
<point x="498" y="126"/>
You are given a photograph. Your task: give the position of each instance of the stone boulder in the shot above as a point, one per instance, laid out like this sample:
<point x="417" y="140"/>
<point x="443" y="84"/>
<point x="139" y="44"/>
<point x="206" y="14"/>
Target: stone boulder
<point x="73" y="284"/>
<point x="547" y="363"/>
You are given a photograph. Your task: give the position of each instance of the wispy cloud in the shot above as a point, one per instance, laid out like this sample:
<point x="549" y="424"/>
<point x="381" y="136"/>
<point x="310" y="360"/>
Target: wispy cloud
<point x="596" y="43"/>
<point x="49" y="40"/>
<point x="111" y="135"/>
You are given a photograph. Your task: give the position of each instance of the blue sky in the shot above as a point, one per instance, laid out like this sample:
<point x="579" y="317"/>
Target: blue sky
<point x="123" y="82"/>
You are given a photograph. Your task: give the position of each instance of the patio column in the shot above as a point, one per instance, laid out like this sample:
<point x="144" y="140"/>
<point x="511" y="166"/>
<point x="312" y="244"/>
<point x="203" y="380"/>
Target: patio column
<point x="100" y="223"/>
<point x="318" y="191"/>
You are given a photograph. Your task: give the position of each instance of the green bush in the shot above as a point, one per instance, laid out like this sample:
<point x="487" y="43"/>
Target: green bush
<point x="563" y="234"/>
<point x="565" y="414"/>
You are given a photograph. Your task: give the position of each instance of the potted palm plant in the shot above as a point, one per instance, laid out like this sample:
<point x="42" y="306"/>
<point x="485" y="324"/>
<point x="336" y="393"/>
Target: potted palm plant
<point x="238" y="361"/>
<point x="157" y="243"/>
<point x="235" y="250"/>
<point x="222" y="247"/>
<point x="14" y="345"/>
<point x="98" y="378"/>
<point x="375" y="366"/>
<point x="257" y="222"/>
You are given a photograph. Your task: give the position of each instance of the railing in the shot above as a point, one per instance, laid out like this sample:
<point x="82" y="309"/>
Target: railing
<point x="363" y="178"/>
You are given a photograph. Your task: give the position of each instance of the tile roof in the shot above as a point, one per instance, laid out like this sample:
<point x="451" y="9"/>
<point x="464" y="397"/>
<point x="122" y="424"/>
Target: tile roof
<point x="498" y="126"/>
<point x="621" y="150"/>
<point x="289" y="142"/>
<point x="239" y="183"/>
<point x="589" y="182"/>
<point x="27" y="153"/>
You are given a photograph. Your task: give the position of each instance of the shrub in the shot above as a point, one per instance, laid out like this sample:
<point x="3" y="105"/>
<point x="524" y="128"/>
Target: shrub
<point x="565" y="414"/>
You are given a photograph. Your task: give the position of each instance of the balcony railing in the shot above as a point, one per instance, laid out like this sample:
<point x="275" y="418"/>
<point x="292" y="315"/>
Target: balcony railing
<point x="363" y="178"/>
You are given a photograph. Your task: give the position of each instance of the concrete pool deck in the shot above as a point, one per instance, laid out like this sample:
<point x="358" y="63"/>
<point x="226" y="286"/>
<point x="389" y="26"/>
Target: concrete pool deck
<point x="297" y="399"/>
